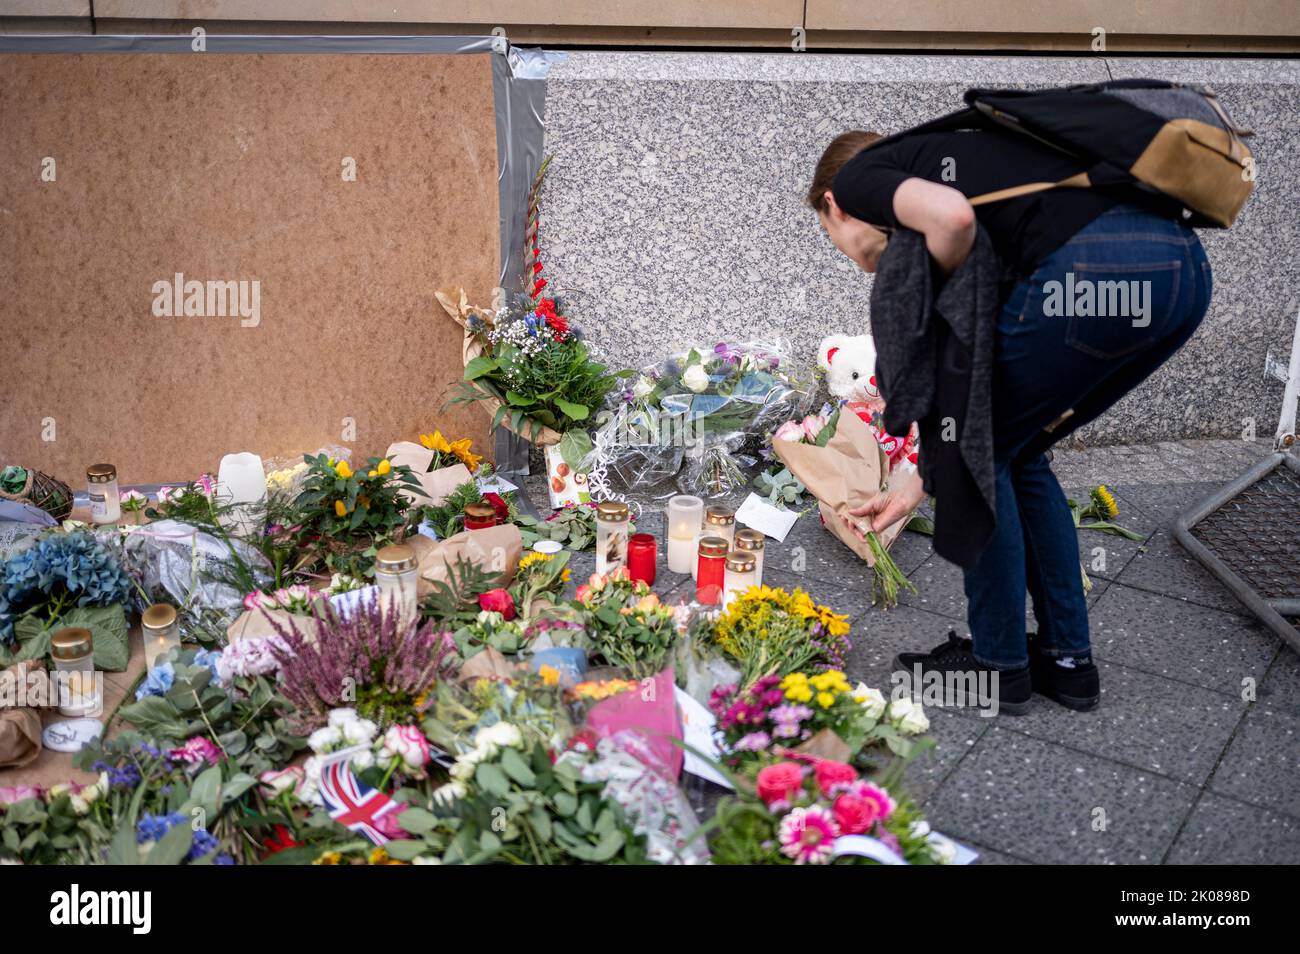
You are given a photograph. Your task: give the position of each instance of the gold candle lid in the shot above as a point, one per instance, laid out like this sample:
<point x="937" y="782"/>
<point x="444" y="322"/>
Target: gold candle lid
<point x="719" y="516"/>
<point x="480" y="511"/>
<point x="611" y="510"/>
<point x="158" y="616"/>
<point x="714" y="546"/>
<point x="71" y="643"/>
<point x="101" y="473"/>
<point x="398" y="557"/>
<point x="742" y="561"/>
<point x="748" y="539"/>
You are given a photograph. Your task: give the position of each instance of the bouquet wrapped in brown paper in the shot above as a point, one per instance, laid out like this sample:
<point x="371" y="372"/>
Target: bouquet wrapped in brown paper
<point x="438" y="483"/>
<point x="20" y="726"/>
<point x="495" y="550"/>
<point x="843" y="475"/>
<point x="474" y="320"/>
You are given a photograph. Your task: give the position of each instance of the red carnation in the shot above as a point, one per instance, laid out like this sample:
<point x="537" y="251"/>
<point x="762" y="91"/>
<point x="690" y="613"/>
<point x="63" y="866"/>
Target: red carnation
<point x="498" y="504"/>
<point x="537" y="267"/>
<point x="538" y="286"/>
<point x="498" y="601"/>
<point x="279" y="841"/>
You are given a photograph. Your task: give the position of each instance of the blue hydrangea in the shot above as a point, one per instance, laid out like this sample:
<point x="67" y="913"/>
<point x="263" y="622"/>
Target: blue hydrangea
<point x="208" y="658"/>
<point x="158" y="682"/>
<point x="75" y="564"/>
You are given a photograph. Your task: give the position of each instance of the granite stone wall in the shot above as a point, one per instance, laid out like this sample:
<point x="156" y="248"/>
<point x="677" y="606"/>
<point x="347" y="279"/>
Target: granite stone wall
<point x="673" y="212"/>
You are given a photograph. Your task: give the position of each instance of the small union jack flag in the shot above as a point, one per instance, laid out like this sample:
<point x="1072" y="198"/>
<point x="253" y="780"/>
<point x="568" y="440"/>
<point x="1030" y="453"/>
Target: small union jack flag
<point x="351" y="802"/>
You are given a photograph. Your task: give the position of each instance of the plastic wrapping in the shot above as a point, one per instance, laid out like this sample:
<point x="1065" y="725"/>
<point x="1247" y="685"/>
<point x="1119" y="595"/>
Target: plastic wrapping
<point x="651" y="799"/>
<point x="193" y="568"/>
<point x="700" y="416"/>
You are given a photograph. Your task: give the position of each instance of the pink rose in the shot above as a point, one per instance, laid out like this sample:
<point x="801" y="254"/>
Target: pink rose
<point x="812" y="426"/>
<point x="387" y="824"/>
<point x="832" y="775"/>
<point x="407" y="743"/>
<point x="789" y="431"/>
<point x="497" y="601"/>
<point x="282" y="780"/>
<point x="196" y="751"/>
<point x="877" y="797"/>
<point x="18" y="793"/>
<point x="583" y="593"/>
<point x="779" y="782"/>
<point x="855" y="815"/>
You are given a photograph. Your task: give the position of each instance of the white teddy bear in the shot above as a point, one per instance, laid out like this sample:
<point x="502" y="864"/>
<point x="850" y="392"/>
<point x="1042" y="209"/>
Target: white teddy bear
<point x="850" y="365"/>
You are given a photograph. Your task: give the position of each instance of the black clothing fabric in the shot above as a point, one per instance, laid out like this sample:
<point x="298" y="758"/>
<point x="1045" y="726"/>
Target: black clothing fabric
<point x="1024" y="231"/>
<point x="934" y="366"/>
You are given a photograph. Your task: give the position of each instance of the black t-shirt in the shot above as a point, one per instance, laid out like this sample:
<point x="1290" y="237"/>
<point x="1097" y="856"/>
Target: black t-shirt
<point x="1024" y="230"/>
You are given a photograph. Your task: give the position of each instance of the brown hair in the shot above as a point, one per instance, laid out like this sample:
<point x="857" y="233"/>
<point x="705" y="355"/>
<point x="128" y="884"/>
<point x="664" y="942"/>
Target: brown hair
<point x="842" y="148"/>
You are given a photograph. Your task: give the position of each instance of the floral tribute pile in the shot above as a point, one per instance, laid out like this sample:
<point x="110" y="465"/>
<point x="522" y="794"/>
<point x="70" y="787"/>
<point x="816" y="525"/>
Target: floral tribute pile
<point x="510" y="714"/>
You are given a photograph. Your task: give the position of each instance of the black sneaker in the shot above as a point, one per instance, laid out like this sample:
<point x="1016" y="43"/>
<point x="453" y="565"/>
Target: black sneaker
<point x="1076" y="686"/>
<point x="1012" y="687"/>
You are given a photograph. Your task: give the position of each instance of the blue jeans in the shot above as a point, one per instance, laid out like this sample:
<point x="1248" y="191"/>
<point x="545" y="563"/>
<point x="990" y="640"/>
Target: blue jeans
<point x="1056" y="353"/>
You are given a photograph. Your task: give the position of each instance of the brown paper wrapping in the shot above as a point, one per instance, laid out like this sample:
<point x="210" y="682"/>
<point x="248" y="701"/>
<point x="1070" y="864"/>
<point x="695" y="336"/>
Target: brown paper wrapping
<point x="455" y="303"/>
<point x="20" y="726"/>
<point x="437" y="484"/>
<point x="494" y="548"/>
<point x="843" y="476"/>
<point x="488" y="664"/>
<point x="260" y="623"/>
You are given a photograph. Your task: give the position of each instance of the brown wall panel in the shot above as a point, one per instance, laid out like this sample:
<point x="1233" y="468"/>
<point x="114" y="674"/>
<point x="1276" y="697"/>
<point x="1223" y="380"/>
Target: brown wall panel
<point x="228" y="167"/>
<point x="664" y="13"/>
<point x="1180" y="17"/>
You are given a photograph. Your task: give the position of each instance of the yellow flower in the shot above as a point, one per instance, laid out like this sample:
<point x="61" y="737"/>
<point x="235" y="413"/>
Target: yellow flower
<point x="550" y="675"/>
<point x="825" y="700"/>
<point x="343" y="470"/>
<point x="528" y="559"/>
<point x="373" y="473"/>
<point x="565" y="574"/>
<point x="384" y="467"/>
<point x="329" y="858"/>
<point x="1102" y="499"/>
<point x="799" y="693"/>
<point x="340" y="508"/>
<point x="462" y="452"/>
<point x="436" y="442"/>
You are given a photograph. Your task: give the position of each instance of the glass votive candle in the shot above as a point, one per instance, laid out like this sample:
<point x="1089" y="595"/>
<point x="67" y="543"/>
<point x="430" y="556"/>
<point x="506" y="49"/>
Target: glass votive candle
<point x="101" y="487"/>
<point x="73" y="651"/>
<point x="642" y="551"/>
<point x="161" y="632"/>
<point x="397" y="576"/>
<point x="480" y="516"/>
<point x="711" y="573"/>
<point x="611" y="535"/>
<point x="753" y="541"/>
<point x="738" y="576"/>
<point x="720" y="522"/>
<point x="685" y="518"/>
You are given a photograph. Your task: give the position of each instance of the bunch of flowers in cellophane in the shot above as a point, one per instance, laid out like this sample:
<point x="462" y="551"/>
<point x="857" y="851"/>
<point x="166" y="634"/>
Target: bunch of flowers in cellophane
<point x="700" y="416"/>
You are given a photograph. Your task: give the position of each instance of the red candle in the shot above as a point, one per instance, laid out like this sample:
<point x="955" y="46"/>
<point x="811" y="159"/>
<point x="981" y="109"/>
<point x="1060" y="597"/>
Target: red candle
<point x="480" y="516"/>
<point x="711" y="571"/>
<point x="641" y="551"/>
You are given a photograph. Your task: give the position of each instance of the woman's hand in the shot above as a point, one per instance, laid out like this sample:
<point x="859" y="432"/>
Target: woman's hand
<point x="886" y="509"/>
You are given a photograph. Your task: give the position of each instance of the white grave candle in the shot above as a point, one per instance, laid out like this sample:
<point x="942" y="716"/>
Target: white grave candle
<point x="241" y="484"/>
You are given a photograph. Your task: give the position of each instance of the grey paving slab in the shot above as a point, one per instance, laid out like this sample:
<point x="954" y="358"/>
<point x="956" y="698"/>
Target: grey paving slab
<point x="1262" y="763"/>
<point x="1143" y="720"/>
<point x="1163" y="500"/>
<point x="954" y="738"/>
<point x="1281" y="685"/>
<point x="1179" y="640"/>
<point x="1222" y="831"/>
<point x="1164" y="566"/>
<point x="1041" y="802"/>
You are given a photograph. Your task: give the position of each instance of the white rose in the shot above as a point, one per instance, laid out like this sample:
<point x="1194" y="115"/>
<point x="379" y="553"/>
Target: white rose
<point x="451" y="792"/>
<point x="363" y="760"/>
<point x="871" y="700"/>
<point x="945" y="850"/>
<point x="359" y="732"/>
<point x="643" y="387"/>
<point x="900" y="707"/>
<point x="499" y="735"/>
<point x="696" y="378"/>
<point x="338" y="718"/>
<point x="919" y="829"/>
<point x="915" y="722"/>
<point x="422" y="860"/>
<point x="309" y="791"/>
<point x="324" y="739"/>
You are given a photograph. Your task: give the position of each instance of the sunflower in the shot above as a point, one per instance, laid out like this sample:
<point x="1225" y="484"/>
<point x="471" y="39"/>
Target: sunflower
<point x="1103" y="503"/>
<point x="436" y="442"/>
<point x="460" y="449"/>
